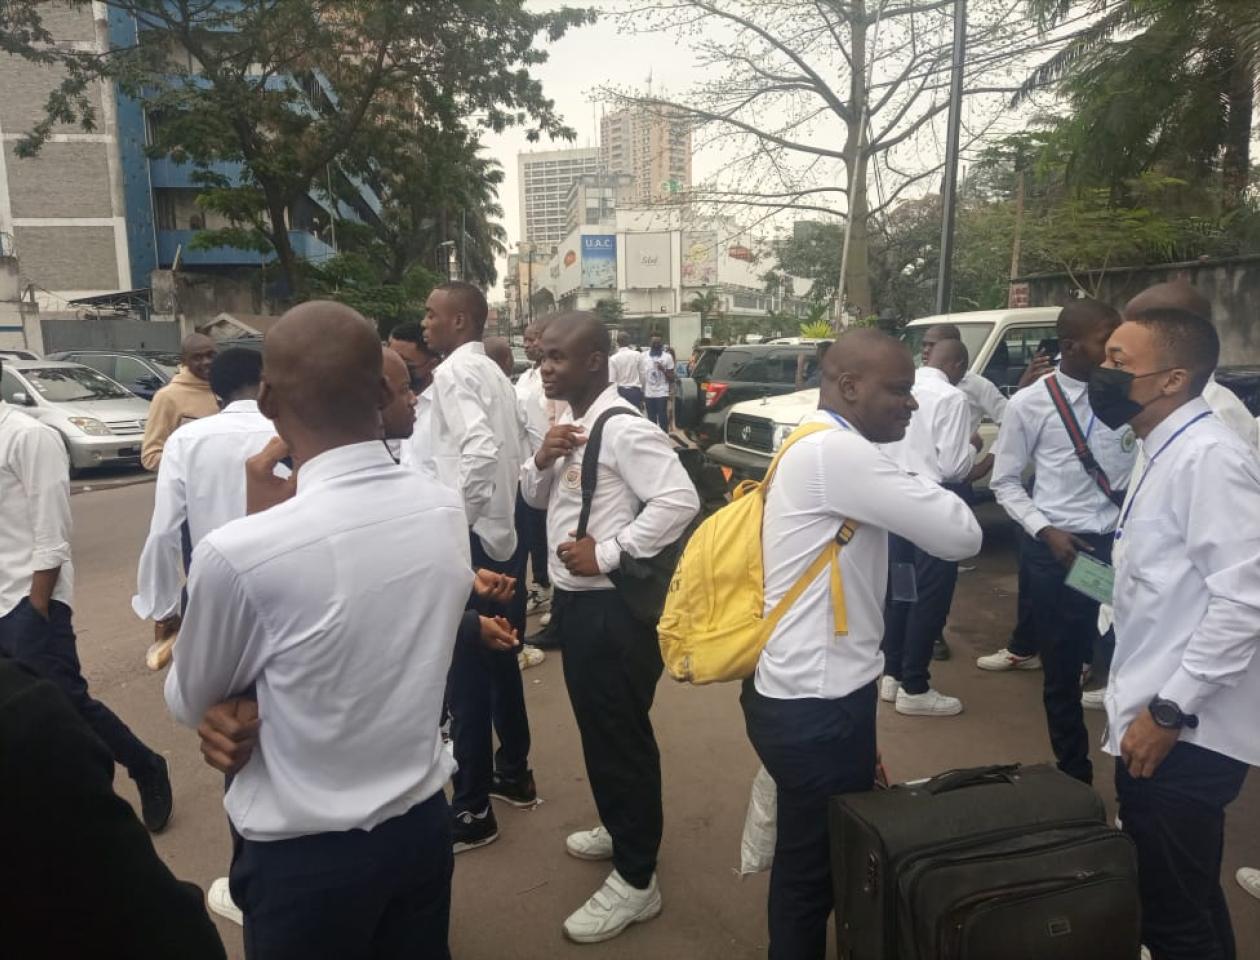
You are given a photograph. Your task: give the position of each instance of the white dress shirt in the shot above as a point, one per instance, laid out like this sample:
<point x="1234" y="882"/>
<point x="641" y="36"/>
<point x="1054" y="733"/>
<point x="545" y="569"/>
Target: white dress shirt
<point x="1064" y="495"/>
<point x="1232" y="412"/>
<point x="201" y="480"/>
<point x="655" y="381"/>
<point x="34" y="508"/>
<point x="416" y="451"/>
<point x="937" y="444"/>
<point x="625" y="368"/>
<point x="479" y="443"/>
<point x="644" y="498"/>
<point x="983" y="397"/>
<point x="1187" y="596"/>
<point x="825" y="478"/>
<point x="340" y="606"/>
<point x="534" y="406"/>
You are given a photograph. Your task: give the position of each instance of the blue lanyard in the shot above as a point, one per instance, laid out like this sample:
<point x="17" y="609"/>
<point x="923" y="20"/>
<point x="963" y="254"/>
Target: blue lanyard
<point x="1150" y="463"/>
<point x="840" y="420"/>
<point x="1090" y="429"/>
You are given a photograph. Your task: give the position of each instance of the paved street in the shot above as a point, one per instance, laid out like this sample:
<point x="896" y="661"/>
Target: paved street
<point x="511" y="897"/>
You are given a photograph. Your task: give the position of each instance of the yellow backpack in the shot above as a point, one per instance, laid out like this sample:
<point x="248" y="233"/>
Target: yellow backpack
<point x="713" y="628"/>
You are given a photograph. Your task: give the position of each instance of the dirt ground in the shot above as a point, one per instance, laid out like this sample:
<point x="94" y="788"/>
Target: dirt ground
<point x="510" y="898"/>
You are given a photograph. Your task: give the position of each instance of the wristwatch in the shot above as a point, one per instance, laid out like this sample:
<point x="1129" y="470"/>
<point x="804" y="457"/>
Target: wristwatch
<point x="1169" y="716"/>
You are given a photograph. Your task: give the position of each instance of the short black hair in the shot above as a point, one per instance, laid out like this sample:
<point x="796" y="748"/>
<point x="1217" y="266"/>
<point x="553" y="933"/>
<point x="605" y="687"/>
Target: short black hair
<point x="1080" y="317"/>
<point x="411" y="332"/>
<point x="235" y="369"/>
<point x="471" y="299"/>
<point x="1184" y="339"/>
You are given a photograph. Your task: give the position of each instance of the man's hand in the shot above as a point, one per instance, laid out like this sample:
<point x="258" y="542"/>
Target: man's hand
<point x="977" y="441"/>
<point x="560" y="441"/>
<point x="495" y="587"/>
<point x="263" y="489"/>
<point x="1063" y="545"/>
<point x="229" y="733"/>
<point x="497" y="634"/>
<point x="1146" y="744"/>
<point x="1040" y="366"/>
<point x="982" y="467"/>
<point x="578" y="556"/>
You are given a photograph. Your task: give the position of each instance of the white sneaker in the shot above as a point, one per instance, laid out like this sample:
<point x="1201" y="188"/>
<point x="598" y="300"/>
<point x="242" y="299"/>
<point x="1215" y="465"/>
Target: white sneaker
<point x="933" y="703"/>
<point x="1094" y="699"/>
<point x="594" y="844"/>
<point x="538" y="599"/>
<point x="545" y="619"/>
<point x="1146" y="953"/>
<point x="888" y="687"/>
<point x="613" y="907"/>
<point x="530" y="657"/>
<point x="1249" y="880"/>
<point x="1005" y="660"/>
<point x="219" y="900"/>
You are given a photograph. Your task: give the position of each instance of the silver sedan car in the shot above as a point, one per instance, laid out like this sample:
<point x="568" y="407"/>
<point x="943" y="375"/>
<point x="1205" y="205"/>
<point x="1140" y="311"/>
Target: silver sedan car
<point x="101" y="421"/>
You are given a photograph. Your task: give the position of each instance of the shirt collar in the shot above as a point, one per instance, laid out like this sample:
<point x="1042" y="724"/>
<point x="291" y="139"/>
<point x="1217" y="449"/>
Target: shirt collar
<point x="339" y="461"/>
<point x="1164" y="431"/>
<point x="606" y="399"/>
<point x="931" y="373"/>
<point x="241" y="406"/>
<point x="1072" y="387"/>
<point x="472" y="346"/>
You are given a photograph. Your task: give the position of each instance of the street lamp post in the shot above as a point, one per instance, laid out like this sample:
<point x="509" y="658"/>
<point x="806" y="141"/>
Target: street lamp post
<point x="949" y="198"/>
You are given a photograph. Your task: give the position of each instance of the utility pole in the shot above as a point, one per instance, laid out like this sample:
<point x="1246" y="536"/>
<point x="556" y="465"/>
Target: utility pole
<point x="1017" y="242"/>
<point x="529" y="269"/>
<point x="949" y="197"/>
<point x="463" y="243"/>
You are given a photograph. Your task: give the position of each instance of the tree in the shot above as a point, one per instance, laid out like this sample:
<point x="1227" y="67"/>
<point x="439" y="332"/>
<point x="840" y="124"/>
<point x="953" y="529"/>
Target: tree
<point x="610" y="310"/>
<point x="1155" y="86"/>
<point x="788" y="99"/>
<point x="708" y="304"/>
<point x="285" y="87"/>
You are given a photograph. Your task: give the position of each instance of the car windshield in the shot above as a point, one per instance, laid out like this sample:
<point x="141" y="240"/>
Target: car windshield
<point x="704" y="365"/>
<point x="168" y="363"/>
<point x="69" y="384"/>
<point x="973" y="337"/>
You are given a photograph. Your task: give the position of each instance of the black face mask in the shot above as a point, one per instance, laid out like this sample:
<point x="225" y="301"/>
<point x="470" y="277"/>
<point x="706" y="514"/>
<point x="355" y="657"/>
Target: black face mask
<point x="1109" y="395"/>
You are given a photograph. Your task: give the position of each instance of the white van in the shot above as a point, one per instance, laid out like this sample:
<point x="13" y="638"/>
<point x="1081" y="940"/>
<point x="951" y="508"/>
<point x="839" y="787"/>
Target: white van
<point x="1001" y="344"/>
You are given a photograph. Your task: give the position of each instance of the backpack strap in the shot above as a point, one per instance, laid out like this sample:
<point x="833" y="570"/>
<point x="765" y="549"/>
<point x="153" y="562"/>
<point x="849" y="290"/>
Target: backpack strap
<point x="590" y="463"/>
<point x="1079" y="441"/>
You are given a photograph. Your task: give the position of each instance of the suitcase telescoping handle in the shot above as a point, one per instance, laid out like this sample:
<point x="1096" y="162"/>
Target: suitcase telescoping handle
<point x="971" y="777"/>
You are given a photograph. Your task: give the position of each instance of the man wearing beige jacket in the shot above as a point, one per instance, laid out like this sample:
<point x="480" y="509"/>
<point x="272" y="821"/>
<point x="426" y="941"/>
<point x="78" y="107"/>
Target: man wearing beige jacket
<point x="186" y="397"/>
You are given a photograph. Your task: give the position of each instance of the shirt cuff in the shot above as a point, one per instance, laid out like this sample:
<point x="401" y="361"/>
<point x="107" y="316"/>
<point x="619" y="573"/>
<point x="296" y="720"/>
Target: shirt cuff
<point x="1187" y="691"/>
<point x="50" y="558"/>
<point x="608" y="555"/>
<point x="1035" y="522"/>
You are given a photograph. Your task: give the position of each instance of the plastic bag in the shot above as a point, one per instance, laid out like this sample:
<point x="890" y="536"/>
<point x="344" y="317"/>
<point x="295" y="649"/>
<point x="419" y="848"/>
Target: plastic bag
<point x="756" y="851"/>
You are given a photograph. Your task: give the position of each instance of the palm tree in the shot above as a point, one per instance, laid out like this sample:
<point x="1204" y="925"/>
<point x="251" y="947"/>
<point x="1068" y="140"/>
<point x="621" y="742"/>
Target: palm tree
<point x="1165" y="85"/>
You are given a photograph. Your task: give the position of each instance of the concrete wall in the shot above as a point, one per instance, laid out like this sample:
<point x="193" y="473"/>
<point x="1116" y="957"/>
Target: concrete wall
<point x="73" y="333"/>
<point x="1232" y="286"/>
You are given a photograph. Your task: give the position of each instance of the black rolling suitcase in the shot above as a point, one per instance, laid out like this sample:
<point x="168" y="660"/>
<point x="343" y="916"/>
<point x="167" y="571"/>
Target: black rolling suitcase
<point x="994" y="863"/>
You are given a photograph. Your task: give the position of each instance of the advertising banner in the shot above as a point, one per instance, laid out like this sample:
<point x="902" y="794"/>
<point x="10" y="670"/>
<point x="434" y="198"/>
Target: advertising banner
<point x="649" y="265"/>
<point x="599" y="261"/>
<point x="699" y="258"/>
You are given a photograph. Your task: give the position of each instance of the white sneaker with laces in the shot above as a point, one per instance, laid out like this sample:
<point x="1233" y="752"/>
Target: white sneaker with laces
<point x="1005" y="660"/>
<point x="530" y="656"/>
<point x="1094" y="699"/>
<point x="612" y="908"/>
<point x="594" y="844"/>
<point x="219" y="900"/>
<point x="1249" y="879"/>
<point x="932" y="703"/>
<point x="888" y="687"/>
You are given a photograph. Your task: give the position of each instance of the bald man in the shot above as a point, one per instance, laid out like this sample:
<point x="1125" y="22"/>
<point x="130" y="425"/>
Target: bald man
<point x="810" y="708"/>
<point x="938" y="447"/>
<point x="398" y="417"/>
<point x="344" y="787"/>
<point x="187" y="397"/>
<point x="1073" y="508"/>
<point x="642" y="502"/>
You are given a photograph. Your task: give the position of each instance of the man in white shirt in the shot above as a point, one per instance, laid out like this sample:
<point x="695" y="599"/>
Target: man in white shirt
<point x="810" y="708"/>
<point x="537" y="409"/>
<point x="984" y="399"/>
<point x="938" y="447"/>
<point x="1073" y="508"/>
<point x="479" y="443"/>
<point x="643" y="500"/>
<point x="344" y="788"/>
<point x="1185" y="680"/>
<point x="658" y="369"/>
<point x="201" y="482"/>
<point x="407" y="340"/>
<point x="37" y="590"/>
<point x="625" y="370"/>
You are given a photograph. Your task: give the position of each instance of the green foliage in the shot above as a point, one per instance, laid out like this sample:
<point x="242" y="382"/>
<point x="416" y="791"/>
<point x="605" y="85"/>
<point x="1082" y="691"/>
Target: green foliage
<point x="708" y="304"/>
<point x="610" y="310"/>
<point x="356" y="281"/>
<point x="816" y="330"/>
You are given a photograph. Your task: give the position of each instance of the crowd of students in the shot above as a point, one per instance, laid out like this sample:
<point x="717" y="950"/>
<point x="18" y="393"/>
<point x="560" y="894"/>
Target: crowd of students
<point x="339" y="476"/>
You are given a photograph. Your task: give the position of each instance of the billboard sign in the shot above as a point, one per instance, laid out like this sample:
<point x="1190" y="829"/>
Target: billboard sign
<point x="649" y="265"/>
<point x="699" y="258"/>
<point x="599" y="261"/>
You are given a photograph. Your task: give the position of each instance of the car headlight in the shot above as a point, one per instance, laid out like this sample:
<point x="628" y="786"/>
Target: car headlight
<point x="781" y="432"/>
<point x="91" y="426"/>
